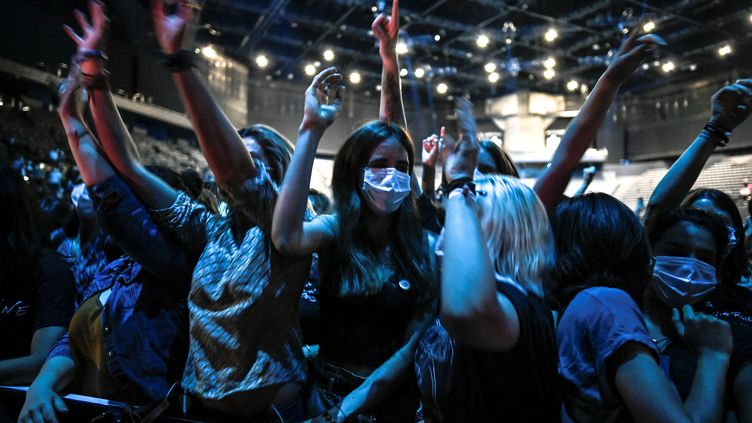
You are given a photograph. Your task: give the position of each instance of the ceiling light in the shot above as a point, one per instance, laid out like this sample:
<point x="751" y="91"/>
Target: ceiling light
<point x="572" y="85"/>
<point x="668" y="67"/>
<point x="209" y="52"/>
<point x="403" y="72"/>
<point x="648" y="26"/>
<point x="355" y="77"/>
<point x="551" y="35"/>
<point x="262" y="61"/>
<point x="442" y="88"/>
<point x="310" y="70"/>
<point x="374" y="9"/>
<point x="420" y="73"/>
<point x="549" y="63"/>
<point x="437" y="37"/>
<point x="725" y="50"/>
<point x="401" y="47"/>
<point x="583" y="88"/>
<point x="490" y="67"/>
<point x="549" y="73"/>
<point x="493" y="77"/>
<point x="328" y="55"/>
<point x="508" y="41"/>
<point x="482" y="41"/>
<point x="693" y="67"/>
<point x="645" y="66"/>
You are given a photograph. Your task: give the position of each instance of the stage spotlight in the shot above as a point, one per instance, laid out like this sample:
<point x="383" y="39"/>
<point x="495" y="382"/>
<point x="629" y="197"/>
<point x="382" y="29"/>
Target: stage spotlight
<point x="262" y="61"/>
<point x="401" y="48"/>
<point x="725" y="50"/>
<point x="328" y="55"/>
<point x="549" y="73"/>
<point x="549" y="63"/>
<point x="310" y="70"/>
<point x="668" y="67"/>
<point x="355" y="78"/>
<point x="490" y="67"/>
<point x="551" y="35"/>
<point x="482" y="41"/>
<point x="209" y="52"/>
<point x="572" y="85"/>
<point x="493" y="77"/>
<point x="649" y="26"/>
<point x="420" y="73"/>
<point x="442" y="88"/>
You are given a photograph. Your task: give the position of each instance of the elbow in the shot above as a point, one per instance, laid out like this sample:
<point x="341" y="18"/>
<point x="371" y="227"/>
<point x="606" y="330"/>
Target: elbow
<point x="461" y="322"/>
<point x="284" y="243"/>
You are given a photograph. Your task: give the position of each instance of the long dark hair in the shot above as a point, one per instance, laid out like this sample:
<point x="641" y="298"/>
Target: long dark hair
<point x="23" y="227"/>
<point x="735" y="264"/>
<point x="353" y="260"/>
<point x="600" y="242"/>
<point x="504" y="164"/>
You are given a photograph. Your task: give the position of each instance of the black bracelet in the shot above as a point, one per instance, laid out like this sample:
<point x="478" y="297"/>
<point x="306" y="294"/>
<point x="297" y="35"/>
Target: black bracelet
<point x="461" y="183"/>
<point x="713" y="128"/>
<point x="179" y="61"/>
<point x="96" y="81"/>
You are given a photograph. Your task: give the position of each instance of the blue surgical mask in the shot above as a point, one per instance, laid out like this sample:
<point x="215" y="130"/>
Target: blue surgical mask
<point x="385" y="189"/>
<point x="682" y="280"/>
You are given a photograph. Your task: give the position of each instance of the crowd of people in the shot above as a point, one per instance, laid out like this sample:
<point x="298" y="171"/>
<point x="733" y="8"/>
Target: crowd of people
<point x="481" y="300"/>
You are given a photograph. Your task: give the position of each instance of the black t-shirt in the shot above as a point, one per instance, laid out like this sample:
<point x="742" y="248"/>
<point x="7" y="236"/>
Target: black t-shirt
<point x="46" y="298"/>
<point x="459" y="383"/>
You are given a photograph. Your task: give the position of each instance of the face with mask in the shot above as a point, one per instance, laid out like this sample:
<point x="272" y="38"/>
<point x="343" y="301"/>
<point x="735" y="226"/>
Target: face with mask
<point x="386" y="178"/>
<point x="685" y="264"/>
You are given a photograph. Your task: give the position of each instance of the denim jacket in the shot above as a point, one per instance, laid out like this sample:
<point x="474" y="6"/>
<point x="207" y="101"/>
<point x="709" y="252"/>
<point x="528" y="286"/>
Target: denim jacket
<point x="145" y="319"/>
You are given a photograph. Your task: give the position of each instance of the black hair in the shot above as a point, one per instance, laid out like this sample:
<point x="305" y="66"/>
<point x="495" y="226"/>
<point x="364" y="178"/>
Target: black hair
<point x="353" y="260"/>
<point x="192" y="181"/>
<point x="24" y="230"/>
<point x="735" y="264"/>
<point x="600" y="242"/>
<point x="168" y="175"/>
<point x="320" y="202"/>
<point x="658" y="225"/>
<point x="276" y="147"/>
<point x="503" y="163"/>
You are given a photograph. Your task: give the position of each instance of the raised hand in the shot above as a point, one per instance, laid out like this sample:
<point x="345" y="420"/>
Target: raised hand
<point x="430" y="151"/>
<point x="386" y="30"/>
<point x="631" y="54"/>
<point x="460" y="159"/>
<point x="93" y="32"/>
<point x="323" y="99"/>
<point x="732" y="104"/>
<point x="706" y="333"/>
<point x="169" y="29"/>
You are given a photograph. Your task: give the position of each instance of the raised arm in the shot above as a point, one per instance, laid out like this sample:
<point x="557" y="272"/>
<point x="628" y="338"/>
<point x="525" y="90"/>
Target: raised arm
<point x="730" y="106"/>
<point x="581" y="131"/>
<point x="430" y="155"/>
<point x="290" y="233"/>
<point x="386" y="30"/>
<point x="114" y="136"/>
<point x="220" y="142"/>
<point x="471" y="310"/>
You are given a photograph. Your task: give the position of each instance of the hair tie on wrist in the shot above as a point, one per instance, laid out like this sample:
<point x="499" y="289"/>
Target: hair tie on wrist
<point x="179" y="61"/>
<point x="713" y="128"/>
<point x="86" y="54"/>
<point x="95" y="81"/>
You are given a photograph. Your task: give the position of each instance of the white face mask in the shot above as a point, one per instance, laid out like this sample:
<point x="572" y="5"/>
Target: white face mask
<point x="384" y="189"/>
<point x="682" y="280"/>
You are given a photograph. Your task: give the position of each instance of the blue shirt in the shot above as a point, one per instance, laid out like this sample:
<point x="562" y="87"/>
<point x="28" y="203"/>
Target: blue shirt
<point x="145" y="319"/>
<point x="595" y="325"/>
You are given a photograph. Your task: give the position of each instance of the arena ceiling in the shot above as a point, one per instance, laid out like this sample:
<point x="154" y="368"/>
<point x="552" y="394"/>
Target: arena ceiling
<point x="484" y="47"/>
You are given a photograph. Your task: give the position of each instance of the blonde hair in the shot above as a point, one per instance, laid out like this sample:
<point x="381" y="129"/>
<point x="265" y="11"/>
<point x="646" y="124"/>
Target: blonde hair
<point x="517" y="231"/>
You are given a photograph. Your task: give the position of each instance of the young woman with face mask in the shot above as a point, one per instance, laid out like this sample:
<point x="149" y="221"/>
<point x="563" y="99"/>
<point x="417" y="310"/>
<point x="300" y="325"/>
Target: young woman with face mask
<point x="608" y="360"/>
<point x="689" y="246"/>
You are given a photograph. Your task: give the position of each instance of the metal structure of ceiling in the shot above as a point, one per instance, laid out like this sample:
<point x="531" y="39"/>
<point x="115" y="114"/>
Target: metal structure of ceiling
<point x="441" y="37"/>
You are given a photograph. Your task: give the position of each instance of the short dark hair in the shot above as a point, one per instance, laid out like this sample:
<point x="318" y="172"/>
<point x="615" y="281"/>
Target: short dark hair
<point x="735" y="264"/>
<point x="658" y="224"/>
<point x="600" y="242"/>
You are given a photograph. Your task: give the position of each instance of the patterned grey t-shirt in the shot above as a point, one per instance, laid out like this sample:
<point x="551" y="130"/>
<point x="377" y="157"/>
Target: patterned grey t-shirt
<point x="243" y="302"/>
